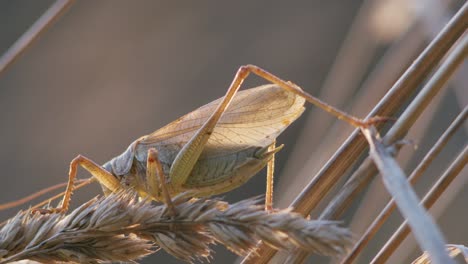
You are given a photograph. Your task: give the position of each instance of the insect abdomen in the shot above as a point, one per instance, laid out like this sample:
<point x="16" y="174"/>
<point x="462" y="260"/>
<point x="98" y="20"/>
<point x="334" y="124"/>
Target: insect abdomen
<point x="221" y="174"/>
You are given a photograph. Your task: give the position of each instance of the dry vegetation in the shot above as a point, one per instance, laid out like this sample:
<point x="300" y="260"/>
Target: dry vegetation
<point x="120" y="228"/>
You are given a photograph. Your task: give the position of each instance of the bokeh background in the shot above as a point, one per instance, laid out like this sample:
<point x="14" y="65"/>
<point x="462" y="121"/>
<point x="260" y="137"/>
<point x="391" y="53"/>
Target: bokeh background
<point x="108" y="72"/>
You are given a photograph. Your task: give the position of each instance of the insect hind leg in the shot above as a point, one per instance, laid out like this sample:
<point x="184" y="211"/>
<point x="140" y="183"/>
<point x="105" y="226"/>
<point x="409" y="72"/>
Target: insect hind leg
<point x="190" y="152"/>
<point x="291" y="87"/>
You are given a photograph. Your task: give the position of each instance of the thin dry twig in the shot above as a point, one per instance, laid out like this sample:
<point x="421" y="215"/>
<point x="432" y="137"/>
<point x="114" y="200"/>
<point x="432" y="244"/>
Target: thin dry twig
<point x="122" y="228"/>
<point x="425" y="230"/>
<point x="33" y="33"/>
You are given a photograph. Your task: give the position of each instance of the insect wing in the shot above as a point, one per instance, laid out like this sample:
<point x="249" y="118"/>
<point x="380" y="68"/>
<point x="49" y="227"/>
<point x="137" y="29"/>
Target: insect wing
<point x="255" y="117"/>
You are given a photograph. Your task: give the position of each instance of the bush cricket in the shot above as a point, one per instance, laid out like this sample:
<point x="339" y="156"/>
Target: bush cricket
<point x="213" y="149"/>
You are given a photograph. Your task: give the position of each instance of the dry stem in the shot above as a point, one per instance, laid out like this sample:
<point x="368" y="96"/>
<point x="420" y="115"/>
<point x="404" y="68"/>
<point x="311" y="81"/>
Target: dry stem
<point x="354" y="146"/>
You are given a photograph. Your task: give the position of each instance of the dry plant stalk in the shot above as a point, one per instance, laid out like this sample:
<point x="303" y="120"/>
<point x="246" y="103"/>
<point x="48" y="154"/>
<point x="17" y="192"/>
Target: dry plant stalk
<point x="398" y="130"/>
<point x="33" y="33"/>
<point x="122" y="228"/>
<point x="355" y="146"/>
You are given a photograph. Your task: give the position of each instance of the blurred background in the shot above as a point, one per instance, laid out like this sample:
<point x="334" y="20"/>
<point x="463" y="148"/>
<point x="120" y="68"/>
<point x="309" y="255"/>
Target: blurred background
<point x="108" y="72"/>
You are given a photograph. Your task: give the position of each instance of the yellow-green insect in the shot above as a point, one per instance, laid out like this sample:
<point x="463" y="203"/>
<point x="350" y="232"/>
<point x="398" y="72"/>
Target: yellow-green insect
<point x="212" y="150"/>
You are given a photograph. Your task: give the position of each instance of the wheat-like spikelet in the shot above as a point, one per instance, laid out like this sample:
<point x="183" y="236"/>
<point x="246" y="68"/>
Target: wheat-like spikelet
<point x="122" y="228"/>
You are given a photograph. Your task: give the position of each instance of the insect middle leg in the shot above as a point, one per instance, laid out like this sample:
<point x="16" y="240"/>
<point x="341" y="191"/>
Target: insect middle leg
<point x="156" y="181"/>
<point x="190" y="153"/>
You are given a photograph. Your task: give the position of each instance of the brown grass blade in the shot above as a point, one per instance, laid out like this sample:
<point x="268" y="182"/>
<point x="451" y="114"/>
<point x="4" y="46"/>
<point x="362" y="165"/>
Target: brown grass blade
<point x="415" y="175"/>
<point x="429" y="199"/>
<point x="453" y="250"/>
<point x="425" y="230"/>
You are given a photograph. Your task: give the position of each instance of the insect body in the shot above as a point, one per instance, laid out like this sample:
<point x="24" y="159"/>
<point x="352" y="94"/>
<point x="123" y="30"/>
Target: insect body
<point x="236" y="150"/>
<point x="211" y="150"/>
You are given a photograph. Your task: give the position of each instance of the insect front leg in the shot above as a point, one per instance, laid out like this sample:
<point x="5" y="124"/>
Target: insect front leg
<point x="155" y="178"/>
<point x="104" y="177"/>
